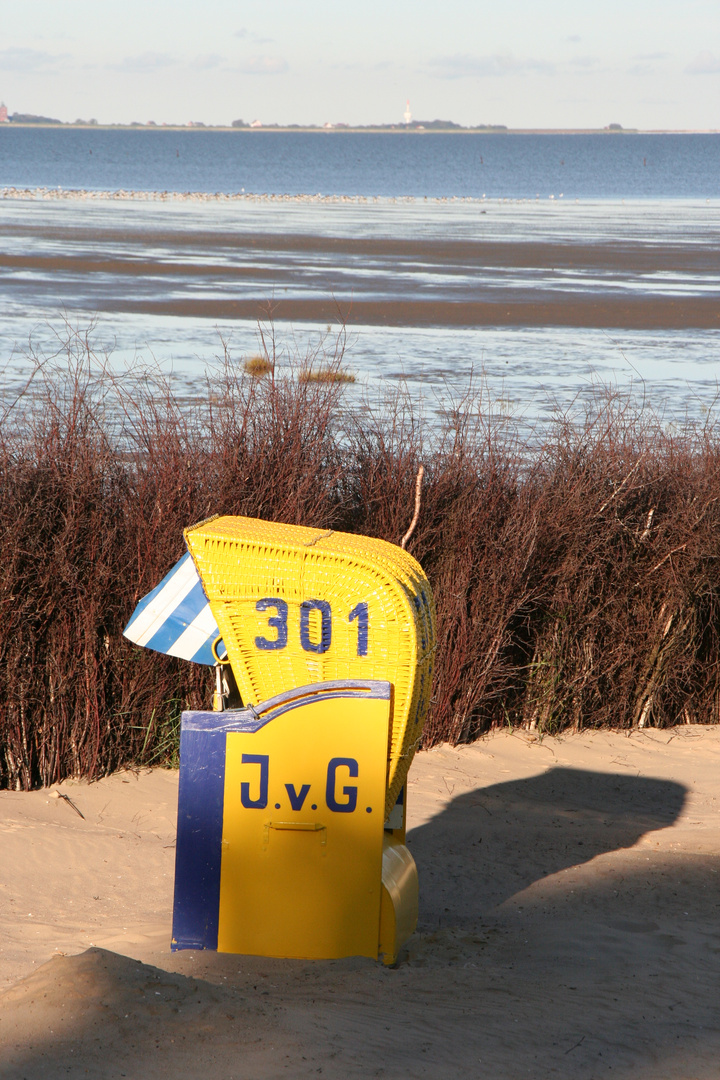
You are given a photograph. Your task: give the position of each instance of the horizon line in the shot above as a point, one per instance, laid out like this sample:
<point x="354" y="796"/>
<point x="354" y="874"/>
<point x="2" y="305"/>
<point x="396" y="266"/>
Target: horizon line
<point x="415" y="127"/>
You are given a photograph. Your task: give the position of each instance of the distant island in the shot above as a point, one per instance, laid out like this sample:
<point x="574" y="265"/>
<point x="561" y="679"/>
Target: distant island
<point x="23" y="119"/>
<point x="413" y="125"/>
<point x="417" y="126"/>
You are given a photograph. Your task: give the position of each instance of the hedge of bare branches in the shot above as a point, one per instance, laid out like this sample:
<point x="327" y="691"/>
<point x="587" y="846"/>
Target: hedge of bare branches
<point x="577" y="579"/>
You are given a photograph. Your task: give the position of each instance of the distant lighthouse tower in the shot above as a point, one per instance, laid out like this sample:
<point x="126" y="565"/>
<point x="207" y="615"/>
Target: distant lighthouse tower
<point x="407" y="115"/>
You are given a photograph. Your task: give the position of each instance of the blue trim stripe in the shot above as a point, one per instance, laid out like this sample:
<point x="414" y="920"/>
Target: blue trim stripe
<point x="198" y="852"/>
<point x="254" y="717"/>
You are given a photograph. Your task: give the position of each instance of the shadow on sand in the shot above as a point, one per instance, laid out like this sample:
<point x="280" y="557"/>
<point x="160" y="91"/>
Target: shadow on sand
<point x="532" y="960"/>
<point x="492" y="843"/>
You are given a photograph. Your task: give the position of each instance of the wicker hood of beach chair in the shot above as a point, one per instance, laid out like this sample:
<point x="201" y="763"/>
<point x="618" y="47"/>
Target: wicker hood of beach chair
<point x="296" y="605"/>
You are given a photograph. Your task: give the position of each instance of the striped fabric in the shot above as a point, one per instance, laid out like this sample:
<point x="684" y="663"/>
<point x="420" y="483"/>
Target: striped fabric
<point x="175" y="618"/>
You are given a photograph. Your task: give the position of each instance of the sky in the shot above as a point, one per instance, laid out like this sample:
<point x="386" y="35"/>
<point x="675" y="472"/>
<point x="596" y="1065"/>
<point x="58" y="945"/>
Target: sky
<point x="523" y="63"/>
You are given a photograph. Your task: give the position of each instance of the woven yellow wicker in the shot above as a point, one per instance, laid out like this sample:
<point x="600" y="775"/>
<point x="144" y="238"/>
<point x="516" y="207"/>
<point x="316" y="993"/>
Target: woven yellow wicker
<point x="297" y="605"/>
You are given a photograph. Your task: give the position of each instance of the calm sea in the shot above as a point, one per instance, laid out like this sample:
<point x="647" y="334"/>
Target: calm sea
<point x="393" y="164"/>
<point x="641" y="191"/>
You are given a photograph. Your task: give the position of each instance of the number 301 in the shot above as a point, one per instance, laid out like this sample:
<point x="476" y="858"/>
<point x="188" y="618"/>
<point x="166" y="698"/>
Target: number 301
<point x="279" y="623"/>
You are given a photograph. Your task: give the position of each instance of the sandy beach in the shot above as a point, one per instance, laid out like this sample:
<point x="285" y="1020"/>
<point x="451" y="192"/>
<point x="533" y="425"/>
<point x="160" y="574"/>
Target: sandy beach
<point x="568" y="928"/>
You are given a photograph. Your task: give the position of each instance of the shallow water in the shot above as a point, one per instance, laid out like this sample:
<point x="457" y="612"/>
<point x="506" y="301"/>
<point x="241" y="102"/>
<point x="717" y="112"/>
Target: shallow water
<point x="91" y="261"/>
<point x="527" y="375"/>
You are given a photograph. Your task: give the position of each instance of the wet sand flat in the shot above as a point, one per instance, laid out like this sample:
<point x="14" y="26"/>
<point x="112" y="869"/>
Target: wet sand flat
<point x="372" y="283"/>
<point x="569" y="928"/>
<point x="559" y="310"/>
<point x="420" y="266"/>
<point x="544" y="301"/>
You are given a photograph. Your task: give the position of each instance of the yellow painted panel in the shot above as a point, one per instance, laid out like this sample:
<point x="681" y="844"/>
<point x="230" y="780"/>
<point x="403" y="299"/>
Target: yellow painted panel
<point x="302" y="839"/>
<point x="297" y="605"/>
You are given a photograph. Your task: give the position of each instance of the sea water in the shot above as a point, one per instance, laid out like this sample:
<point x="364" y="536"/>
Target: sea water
<point x="606" y="165"/>
<point x="149" y="194"/>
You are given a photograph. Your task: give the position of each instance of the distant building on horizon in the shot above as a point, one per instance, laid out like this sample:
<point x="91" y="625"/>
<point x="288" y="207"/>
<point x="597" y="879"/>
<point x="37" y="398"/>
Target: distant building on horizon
<point x="4" y="118"/>
<point x="407" y="115"/>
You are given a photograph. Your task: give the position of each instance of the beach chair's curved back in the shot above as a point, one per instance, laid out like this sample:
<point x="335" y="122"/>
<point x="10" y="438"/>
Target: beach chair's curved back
<point x="297" y="605"/>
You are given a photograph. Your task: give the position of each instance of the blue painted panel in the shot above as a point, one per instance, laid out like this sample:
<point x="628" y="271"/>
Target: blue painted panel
<point x="199" y="839"/>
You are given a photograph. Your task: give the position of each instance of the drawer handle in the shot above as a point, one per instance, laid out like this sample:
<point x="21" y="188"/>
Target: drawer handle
<point x="296" y="826"/>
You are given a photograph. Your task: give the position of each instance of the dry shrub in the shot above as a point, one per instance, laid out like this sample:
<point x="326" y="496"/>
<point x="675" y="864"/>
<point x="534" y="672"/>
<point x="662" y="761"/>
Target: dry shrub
<point x="99" y="476"/>
<point x="258" y="366"/>
<point x="326" y="374"/>
<point x="580" y="583"/>
<point x="577" y="579"/>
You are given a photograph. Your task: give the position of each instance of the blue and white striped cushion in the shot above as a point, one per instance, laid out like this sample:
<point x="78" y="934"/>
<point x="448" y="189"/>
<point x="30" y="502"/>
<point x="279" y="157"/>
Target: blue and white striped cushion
<point x="175" y="618"/>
